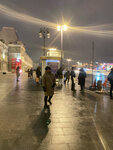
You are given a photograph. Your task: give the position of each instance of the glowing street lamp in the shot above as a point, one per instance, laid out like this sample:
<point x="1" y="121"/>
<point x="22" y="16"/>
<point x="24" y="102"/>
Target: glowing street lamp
<point x="61" y="29"/>
<point x="44" y="33"/>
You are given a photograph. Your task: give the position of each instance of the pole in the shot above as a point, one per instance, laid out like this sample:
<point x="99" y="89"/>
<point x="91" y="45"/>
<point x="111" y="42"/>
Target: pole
<point x="68" y="65"/>
<point x="61" y="45"/>
<point x="44" y="44"/>
<point x="92" y="60"/>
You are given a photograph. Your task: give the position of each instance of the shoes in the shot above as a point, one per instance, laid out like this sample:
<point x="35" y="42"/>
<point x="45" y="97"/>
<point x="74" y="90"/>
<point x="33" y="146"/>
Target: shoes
<point x="50" y="102"/>
<point x="46" y="106"/>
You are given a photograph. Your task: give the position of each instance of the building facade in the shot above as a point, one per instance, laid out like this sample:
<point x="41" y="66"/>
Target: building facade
<point x="3" y="57"/>
<point x="14" y="54"/>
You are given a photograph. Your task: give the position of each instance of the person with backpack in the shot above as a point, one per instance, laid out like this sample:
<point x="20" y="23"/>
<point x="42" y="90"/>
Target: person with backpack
<point x="81" y="78"/>
<point x="110" y="79"/>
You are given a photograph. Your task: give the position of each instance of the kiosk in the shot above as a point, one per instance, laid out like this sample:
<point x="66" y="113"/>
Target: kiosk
<point x="52" y="59"/>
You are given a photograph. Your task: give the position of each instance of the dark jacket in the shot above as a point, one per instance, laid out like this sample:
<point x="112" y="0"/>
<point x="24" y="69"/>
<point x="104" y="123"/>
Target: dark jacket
<point x="73" y="75"/>
<point x="38" y="73"/>
<point x="81" y="77"/>
<point x="67" y="75"/>
<point x="60" y="73"/>
<point x="110" y="77"/>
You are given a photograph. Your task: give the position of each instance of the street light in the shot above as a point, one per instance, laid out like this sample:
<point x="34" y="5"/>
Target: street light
<point x="44" y="33"/>
<point x="61" y="29"/>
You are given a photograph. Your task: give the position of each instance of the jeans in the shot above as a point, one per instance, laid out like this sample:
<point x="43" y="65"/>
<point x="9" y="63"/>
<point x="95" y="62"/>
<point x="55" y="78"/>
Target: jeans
<point x="46" y="99"/>
<point x="111" y="89"/>
<point x="72" y="84"/>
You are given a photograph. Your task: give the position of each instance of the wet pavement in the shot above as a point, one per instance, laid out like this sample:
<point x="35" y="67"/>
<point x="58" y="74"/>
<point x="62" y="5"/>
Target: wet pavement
<point x="75" y="121"/>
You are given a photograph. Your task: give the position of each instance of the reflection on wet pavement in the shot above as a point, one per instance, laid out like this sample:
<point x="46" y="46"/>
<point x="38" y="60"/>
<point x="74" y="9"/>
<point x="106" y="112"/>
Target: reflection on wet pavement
<point x="75" y="121"/>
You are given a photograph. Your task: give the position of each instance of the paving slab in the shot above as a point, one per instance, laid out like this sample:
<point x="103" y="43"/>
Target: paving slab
<point x="74" y="121"/>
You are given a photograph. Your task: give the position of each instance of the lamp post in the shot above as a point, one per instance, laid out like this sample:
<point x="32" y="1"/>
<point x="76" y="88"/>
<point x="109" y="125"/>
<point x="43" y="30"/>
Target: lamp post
<point x="92" y="60"/>
<point x="44" y="33"/>
<point x="61" y="29"/>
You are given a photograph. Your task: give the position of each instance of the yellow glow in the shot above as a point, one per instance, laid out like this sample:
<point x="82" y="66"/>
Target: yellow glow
<point x="68" y="59"/>
<point x="3" y="56"/>
<point x="52" y="49"/>
<point x="97" y="30"/>
<point x="58" y="28"/>
<point x="65" y="27"/>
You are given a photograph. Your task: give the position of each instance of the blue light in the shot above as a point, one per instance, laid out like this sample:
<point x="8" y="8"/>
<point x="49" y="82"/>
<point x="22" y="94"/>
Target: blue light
<point x="52" y="61"/>
<point x="18" y="60"/>
<point x="98" y="78"/>
<point x="98" y="74"/>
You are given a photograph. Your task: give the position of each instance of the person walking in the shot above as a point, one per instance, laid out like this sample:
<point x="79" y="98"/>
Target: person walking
<point x="17" y="73"/>
<point x="60" y="76"/>
<point x="73" y="75"/>
<point x="110" y="79"/>
<point x="31" y="73"/>
<point x="38" y="74"/>
<point x="48" y="84"/>
<point x="66" y="77"/>
<point x="81" y="78"/>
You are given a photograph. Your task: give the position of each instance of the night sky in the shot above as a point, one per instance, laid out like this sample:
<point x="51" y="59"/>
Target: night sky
<point x="88" y="20"/>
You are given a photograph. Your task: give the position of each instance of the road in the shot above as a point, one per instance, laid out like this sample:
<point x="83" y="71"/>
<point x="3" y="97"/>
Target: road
<point x="75" y="121"/>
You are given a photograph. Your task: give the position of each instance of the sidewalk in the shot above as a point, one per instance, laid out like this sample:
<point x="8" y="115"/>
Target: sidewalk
<point x="75" y="121"/>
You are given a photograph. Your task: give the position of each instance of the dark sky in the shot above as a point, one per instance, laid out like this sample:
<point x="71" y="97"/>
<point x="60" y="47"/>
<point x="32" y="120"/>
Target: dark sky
<point x="89" y="20"/>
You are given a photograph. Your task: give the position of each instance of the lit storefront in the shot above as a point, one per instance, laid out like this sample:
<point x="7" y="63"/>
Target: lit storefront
<point x="18" y="57"/>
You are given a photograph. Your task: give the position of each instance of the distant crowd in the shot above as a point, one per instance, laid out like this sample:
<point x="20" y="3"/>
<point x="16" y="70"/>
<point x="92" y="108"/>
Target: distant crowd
<point x="49" y="80"/>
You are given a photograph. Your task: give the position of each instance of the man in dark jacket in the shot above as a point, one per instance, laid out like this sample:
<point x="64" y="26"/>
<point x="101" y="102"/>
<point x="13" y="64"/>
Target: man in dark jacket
<point x="110" y="79"/>
<point x="73" y="75"/>
<point x="81" y="78"/>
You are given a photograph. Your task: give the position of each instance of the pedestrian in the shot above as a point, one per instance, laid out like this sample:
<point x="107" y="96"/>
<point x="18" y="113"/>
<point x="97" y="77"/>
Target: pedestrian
<point x="60" y="76"/>
<point x="66" y="77"/>
<point x="31" y="73"/>
<point x="73" y="75"/>
<point x="81" y="78"/>
<point x="110" y="79"/>
<point x="38" y="74"/>
<point x="48" y="83"/>
<point x="17" y="73"/>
